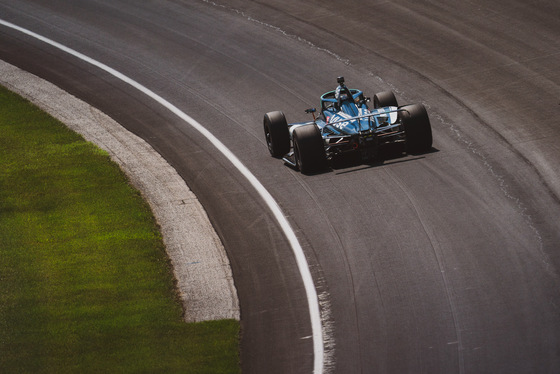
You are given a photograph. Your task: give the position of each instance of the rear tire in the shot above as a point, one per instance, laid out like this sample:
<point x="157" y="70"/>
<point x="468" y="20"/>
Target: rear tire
<point x="309" y="149"/>
<point x="276" y="133"/>
<point x="417" y="128"/>
<point x="383" y="99"/>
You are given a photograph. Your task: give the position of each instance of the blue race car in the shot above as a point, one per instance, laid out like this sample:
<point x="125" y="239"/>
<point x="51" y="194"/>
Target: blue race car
<point x="346" y="125"/>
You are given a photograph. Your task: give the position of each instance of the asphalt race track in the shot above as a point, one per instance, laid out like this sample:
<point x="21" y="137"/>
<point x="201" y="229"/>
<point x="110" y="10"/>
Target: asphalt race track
<point x="445" y="262"/>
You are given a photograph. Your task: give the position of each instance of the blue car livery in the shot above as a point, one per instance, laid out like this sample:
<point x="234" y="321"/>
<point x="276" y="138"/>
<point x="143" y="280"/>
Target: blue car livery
<point x="346" y="125"/>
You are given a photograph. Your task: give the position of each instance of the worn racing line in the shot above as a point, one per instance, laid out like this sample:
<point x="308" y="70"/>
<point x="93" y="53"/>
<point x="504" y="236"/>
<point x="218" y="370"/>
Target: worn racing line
<point x="445" y="262"/>
<point x="436" y="248"/>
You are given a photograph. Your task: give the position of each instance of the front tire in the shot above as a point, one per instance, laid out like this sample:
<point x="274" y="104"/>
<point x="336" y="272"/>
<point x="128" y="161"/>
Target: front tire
<point x="276" y="133"/>
<point x="309" y="149"/>
<point x="384" y="99"/>
<point x="417" y="128"/>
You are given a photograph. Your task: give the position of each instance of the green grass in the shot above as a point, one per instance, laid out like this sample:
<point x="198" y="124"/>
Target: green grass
<point x="85" y="283"/>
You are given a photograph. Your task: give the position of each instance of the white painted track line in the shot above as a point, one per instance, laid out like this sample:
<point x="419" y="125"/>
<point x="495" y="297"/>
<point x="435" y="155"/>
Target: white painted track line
<point x="313" y="301"/>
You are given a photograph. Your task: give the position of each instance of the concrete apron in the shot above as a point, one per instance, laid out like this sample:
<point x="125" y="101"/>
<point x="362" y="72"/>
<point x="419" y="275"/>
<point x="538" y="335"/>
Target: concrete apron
<point x="200" y="263"/>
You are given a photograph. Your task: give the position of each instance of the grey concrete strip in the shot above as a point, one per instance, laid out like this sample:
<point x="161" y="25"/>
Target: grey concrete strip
<point x="200" y="264"/>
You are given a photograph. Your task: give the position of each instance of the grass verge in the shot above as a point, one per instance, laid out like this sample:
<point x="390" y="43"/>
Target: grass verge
<point x="85" y="283"/>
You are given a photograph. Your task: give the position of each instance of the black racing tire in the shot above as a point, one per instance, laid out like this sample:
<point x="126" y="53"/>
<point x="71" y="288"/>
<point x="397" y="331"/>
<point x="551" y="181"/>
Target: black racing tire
<point x="309" y="149"/>
<point x="276" y="133"/>
<point x="383" y="99"/>
<point x="418" y="130"/>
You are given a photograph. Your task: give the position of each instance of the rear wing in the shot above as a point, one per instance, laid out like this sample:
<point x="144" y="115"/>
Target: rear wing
<point x="391" y="121"/>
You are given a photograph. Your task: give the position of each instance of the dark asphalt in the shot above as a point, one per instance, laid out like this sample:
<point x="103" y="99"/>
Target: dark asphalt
<point x="439" y="263"/>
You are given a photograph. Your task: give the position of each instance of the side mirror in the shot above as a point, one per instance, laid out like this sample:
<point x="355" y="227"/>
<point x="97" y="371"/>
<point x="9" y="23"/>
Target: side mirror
<point x="312" y="111"/>
<point x="364" y="101"/>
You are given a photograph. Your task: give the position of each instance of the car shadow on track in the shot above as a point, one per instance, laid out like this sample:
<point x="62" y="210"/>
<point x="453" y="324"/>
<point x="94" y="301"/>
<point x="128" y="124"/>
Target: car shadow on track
<point x="386" y="157"/>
